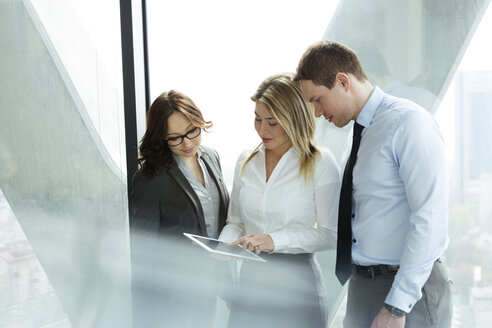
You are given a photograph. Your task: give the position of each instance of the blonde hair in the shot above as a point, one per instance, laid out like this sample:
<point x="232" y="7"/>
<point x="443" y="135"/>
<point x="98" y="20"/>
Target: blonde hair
<point x="284" y="100"/>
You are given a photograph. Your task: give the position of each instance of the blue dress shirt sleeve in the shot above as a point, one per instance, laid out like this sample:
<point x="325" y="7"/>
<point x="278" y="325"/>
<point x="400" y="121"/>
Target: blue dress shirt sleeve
<point x="418" y="151"/>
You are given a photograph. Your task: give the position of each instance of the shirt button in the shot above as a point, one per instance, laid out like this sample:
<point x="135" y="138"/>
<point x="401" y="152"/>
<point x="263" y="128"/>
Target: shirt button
<point x="354" y="240"/>
<point x="410" y="306"/>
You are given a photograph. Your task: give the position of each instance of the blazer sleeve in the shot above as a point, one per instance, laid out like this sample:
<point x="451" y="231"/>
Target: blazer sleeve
<point x="144" y="221"/>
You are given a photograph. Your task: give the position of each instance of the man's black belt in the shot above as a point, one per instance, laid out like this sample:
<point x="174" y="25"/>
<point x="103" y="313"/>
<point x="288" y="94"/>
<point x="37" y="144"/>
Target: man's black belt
<point x="372" y="271"/>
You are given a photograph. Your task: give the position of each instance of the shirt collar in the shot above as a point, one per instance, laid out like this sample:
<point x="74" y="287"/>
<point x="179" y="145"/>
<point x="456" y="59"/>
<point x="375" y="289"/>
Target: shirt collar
<point x="178" y="159"/>
<point x="261" y="149"/>
<point x="367" y="113"/>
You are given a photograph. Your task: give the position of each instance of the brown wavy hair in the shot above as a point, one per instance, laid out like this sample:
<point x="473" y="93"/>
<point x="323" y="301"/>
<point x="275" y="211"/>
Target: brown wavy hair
<point x="154" y="150"/>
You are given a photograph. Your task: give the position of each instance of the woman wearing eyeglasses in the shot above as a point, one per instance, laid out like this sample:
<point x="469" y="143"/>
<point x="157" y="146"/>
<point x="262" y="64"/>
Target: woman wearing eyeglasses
<point x="178" y="188"/>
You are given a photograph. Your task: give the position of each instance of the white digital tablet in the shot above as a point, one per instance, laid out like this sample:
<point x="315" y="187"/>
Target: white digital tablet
<point x="223" y="248"/>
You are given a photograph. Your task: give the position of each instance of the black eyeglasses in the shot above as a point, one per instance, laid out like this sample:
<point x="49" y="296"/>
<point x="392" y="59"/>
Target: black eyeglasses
<point x="176" y="141"/>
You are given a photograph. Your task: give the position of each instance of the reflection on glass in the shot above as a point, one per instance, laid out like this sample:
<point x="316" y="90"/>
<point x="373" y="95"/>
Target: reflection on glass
<point x="28" y="299"/>
<point x="58" y="171"/>
<point x="471" y="190"/>
<point x="465" y="118"/>
<point x="80" y="35"/>
<point x="379" y="74"/>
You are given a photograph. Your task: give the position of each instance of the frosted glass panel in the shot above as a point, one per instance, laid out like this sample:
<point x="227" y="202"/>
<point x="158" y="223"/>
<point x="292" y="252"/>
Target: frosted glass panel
<point x="61" y="149"/>
<point x="28" y="298"/>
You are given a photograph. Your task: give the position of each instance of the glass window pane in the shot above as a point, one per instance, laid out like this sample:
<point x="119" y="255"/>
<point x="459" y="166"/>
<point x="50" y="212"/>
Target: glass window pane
<point x="465" y="119"/>
<point x="62" y="163"/>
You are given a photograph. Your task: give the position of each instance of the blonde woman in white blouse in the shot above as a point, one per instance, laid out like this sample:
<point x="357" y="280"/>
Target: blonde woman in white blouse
<point x="284" y="205"/>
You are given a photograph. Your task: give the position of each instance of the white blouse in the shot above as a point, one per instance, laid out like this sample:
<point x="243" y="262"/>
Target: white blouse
<point x="301" y="217"/>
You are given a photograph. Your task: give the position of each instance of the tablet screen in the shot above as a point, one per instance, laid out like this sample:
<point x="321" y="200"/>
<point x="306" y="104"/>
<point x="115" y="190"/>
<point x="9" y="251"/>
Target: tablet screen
<point x="220" y="247"/>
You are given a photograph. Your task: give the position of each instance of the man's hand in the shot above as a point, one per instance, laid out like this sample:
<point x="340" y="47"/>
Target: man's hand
<point x="256" y="242"/>
<point x="384" y="319"/>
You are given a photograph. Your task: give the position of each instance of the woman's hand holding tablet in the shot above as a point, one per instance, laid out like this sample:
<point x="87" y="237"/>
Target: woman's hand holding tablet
<point x="219" y="247"/>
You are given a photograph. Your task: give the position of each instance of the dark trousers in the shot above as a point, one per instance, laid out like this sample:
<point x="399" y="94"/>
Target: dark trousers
<point x="366" y="296"/>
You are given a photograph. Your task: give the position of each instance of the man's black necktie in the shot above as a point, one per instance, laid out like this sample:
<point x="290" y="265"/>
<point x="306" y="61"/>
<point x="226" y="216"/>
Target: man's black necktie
<point x="343" y="268"/>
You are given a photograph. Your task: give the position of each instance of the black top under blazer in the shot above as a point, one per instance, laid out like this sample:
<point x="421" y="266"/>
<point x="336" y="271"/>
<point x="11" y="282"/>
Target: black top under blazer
<point x="167" y="203"/>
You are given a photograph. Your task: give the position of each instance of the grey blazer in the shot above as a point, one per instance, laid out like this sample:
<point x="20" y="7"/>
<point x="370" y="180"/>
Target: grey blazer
<point x="167" y="203"/>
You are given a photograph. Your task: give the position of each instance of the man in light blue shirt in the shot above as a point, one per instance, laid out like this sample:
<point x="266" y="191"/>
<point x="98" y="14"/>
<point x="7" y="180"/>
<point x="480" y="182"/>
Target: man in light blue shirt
<point x="399" y="195"/>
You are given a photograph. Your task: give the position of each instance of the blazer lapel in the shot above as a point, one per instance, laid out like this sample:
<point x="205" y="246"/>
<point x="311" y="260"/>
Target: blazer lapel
<point x="181" y="180"/>
<point x="220" y="186"/>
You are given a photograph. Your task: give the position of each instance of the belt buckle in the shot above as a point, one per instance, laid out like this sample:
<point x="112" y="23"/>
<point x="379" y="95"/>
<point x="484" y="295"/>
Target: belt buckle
<point x="390" y="270"/>
<point x="366" y="271"/>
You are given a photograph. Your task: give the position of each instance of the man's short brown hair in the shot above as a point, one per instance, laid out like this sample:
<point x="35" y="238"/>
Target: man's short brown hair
<point x="323" y="60"/>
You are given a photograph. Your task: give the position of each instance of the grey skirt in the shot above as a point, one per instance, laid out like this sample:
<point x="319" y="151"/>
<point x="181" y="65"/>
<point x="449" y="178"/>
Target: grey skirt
<point x="287" y="291"/>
